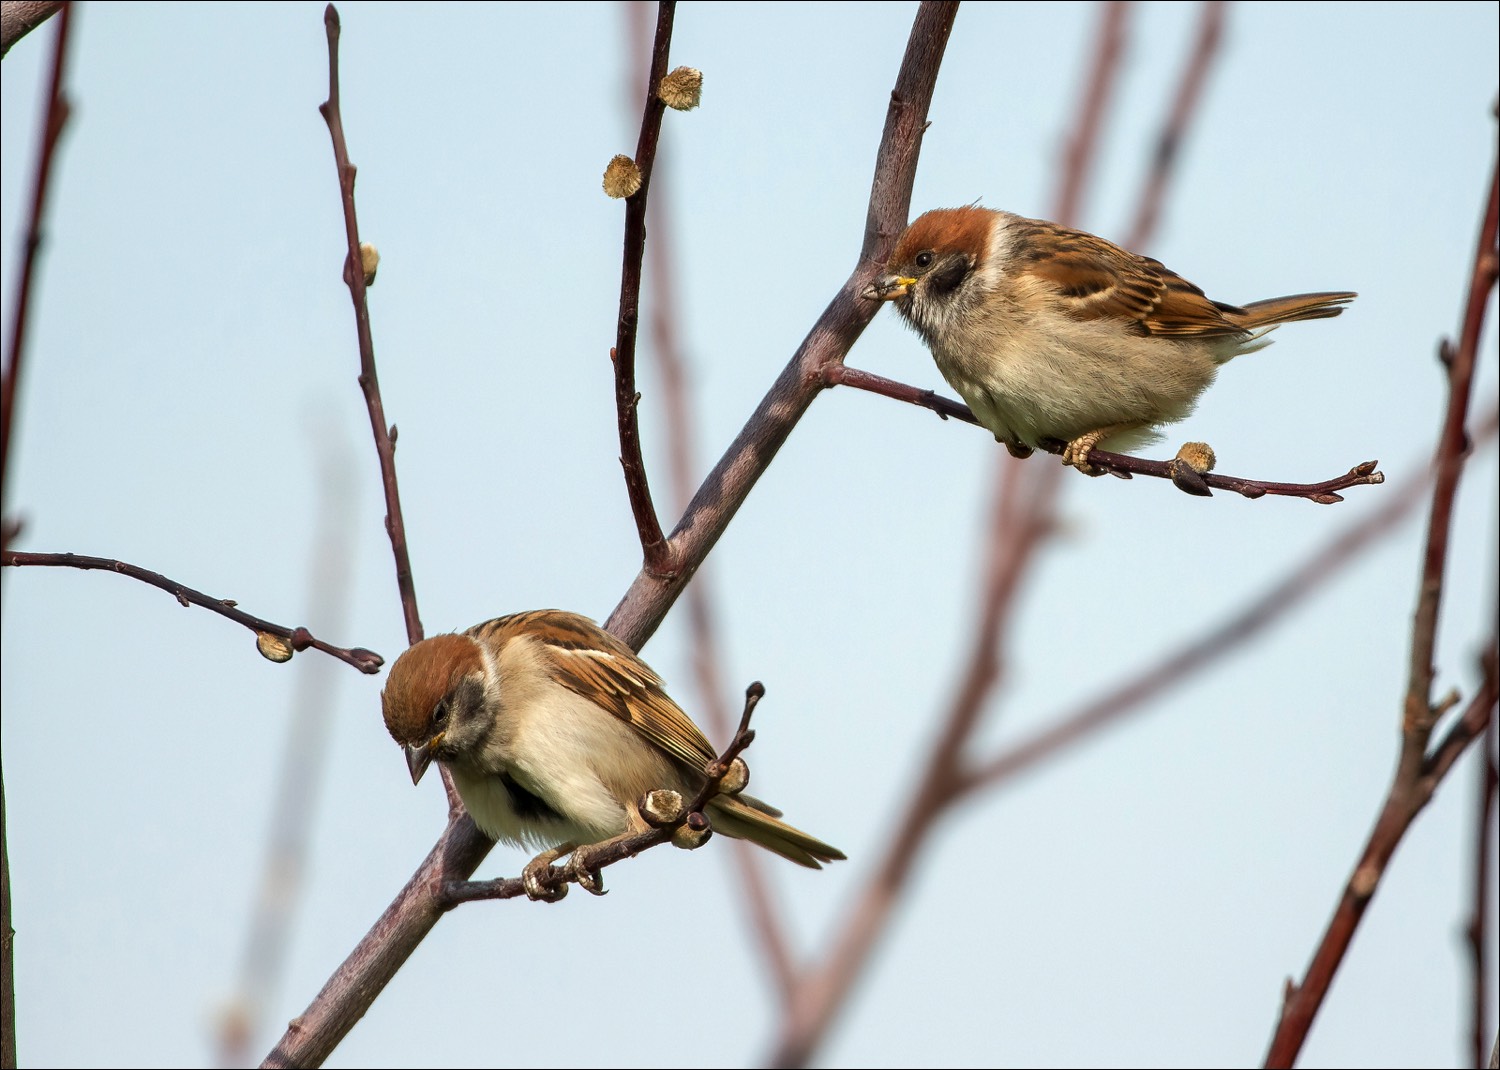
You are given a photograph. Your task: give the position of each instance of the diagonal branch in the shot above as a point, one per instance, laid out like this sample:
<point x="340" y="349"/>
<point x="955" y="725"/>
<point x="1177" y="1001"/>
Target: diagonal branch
<point x="366" y="661"/>
<point x="369" y="381"/>
<point x="658" y="556"/>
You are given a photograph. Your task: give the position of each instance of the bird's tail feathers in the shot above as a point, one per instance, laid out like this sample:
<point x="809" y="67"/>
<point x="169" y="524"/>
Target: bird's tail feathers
<point x="747" y="818"/>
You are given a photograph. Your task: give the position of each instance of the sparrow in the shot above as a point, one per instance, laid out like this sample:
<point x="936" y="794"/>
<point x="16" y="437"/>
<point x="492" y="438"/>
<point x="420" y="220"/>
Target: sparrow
<point x="1049" y="333"/>
<point x="553" y="730"/>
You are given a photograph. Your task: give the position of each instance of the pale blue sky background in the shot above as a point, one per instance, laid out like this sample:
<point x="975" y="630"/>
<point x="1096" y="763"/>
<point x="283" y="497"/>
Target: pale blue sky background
<point x="194" y="362"/>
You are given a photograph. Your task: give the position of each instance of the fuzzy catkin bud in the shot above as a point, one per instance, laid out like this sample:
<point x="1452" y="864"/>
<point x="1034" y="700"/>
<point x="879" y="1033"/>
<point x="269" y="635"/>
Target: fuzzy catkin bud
<point x="682" y="89"/>
<point x="622" y="177"/>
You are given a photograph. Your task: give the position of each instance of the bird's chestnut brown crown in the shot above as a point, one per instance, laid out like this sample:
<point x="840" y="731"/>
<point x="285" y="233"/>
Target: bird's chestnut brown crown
<point x="420" y="680"/>
<point x="943" y="245"/>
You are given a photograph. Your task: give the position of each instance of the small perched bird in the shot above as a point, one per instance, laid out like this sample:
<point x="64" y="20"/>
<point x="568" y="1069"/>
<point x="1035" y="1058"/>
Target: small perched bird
<point x="553" y="730"/>
<point x="1053" y="334"/>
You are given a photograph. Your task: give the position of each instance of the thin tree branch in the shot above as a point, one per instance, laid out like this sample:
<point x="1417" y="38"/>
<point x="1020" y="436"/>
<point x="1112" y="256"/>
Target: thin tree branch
<point x="1196" y="483"/>
<point x="1078" y="159"/>
<point x="1476" y="931"/>
<point x="363" y="975"/>
<point x="702" y="623"/>
<point x="366" y="661"/>
<point x="1169" y="143"/>
<point x="369" y="381"/>
<point x="1417" y="772"/>
<point x="20" y="17"/>
<point x="658" y="556"/>
<point x="54" y="120"/>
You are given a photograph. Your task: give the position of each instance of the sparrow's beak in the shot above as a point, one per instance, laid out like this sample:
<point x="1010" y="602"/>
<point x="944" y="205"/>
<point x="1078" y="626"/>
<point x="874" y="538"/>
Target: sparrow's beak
<point x="418" y="759"/>
<point x="888" y="288"/>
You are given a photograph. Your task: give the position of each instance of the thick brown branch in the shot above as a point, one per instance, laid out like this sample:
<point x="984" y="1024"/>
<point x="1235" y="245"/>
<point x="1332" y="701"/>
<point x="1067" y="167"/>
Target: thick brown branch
<point x="658" y="557"/>
<point x="369" y="381"/>
<point x="1476" y="931"/>
<point x="366" y="661"/>
<point x="1324" y="493"/>
<point x="20" y="17"/>
<point x="1417" y="772"/>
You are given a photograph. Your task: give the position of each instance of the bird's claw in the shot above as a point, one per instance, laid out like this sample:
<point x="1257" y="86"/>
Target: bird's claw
<point x="582" y="869"/>
<point x="539" y="878"/>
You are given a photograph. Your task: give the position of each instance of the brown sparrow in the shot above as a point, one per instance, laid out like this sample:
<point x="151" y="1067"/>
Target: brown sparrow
<point x="553" y="730"/>
<point x="1051" y="333"/>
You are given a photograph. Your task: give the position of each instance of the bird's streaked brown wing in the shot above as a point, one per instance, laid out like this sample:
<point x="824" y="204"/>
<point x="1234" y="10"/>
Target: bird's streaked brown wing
<point x="1099" y="280"/>
<point x="589" y="661"/>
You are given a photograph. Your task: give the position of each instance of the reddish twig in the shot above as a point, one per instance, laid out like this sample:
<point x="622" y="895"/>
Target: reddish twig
<point x="53" y="122"/>
<point x="369" y="381"/>
<point x="1185" y="105"/>
<point x="1184" y="478"/>
<point x="395" y="935"/>
<point x="1476" y="930"/>
<point x="1417" y="773"/>
<point x="627" y="846"/>
<point x="20" y="17"/>
<point x="677" y="412"/>
<point x="654" y="547"/>
<point x="366" y="661"/>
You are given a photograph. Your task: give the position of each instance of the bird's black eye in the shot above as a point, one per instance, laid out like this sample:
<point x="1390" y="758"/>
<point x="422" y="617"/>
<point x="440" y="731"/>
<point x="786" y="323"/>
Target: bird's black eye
<point x="925" y="258"/>
<point x="440" y="715"/>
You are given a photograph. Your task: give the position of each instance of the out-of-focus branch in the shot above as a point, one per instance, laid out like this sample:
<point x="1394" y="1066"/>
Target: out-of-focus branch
<point x="654" y="548"/>
<point x="681" y="433"/>
<point x="1078" y="157"/>
<point x="364" y="974"/>
<point x="1183" y="477"/>
<point x="369" y="381"/>
<point x="366" y="661"/>
<point x="1417" y="772"/>
<point x="20" y="17"/>
<point x="54" y="119"/>
<point x="1169" y="142"/>
<point x="304" y="760"/>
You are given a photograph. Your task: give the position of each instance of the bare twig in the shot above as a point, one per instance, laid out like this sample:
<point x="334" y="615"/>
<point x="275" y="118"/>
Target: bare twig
<point x="1417" y="772"/>
<point x="654" y="547"/>
<point x="20" y="17"/>
<point x="7" y="953"/>
<point x="366" y="661"/>
<point x="1169" y="142"/>
<point x="403" y="925"/>
<point x="627" y="846"/>
<point x="369" y="381"/>
<point x="1324" y="493"/>
<point x="305" y="757"/>
<point x="1476" y="931"/>
<point x="702" y="623"/>
<point x="53" y="122"/>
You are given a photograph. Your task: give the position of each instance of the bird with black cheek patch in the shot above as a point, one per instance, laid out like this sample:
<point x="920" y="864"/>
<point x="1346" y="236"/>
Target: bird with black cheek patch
<point x="553" y="731"/>
<point x="1052" y="334"/>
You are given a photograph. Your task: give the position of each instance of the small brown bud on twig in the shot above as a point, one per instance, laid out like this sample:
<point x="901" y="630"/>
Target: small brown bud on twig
<point x="682" y="89"/>
<point x="622" y="177"/>
<point x="693" y="833"/>
<point x="369" y="261"/>
<point x="661" y="807"/>
<point x="736" y="779"/>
